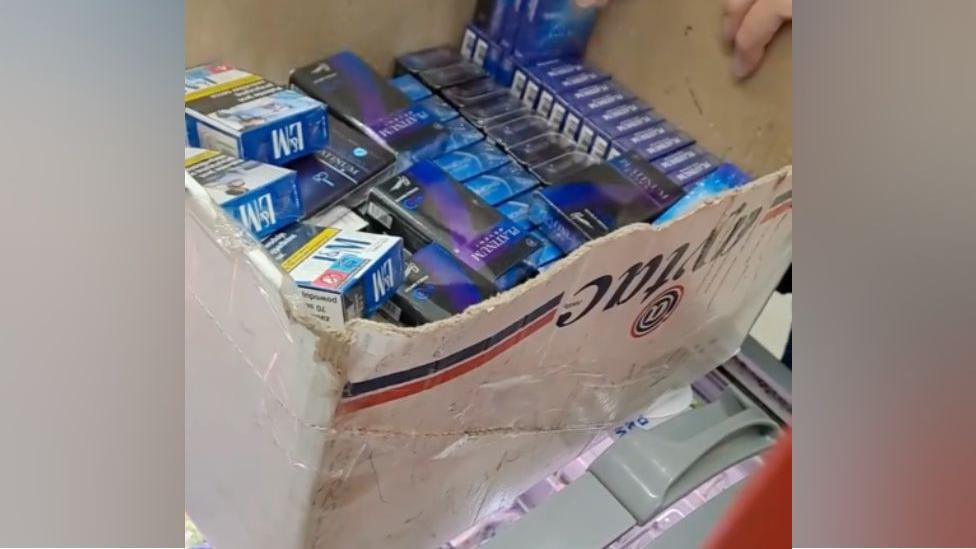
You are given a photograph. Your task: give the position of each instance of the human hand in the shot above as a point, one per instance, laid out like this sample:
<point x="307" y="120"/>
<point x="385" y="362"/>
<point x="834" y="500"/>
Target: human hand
<point x="748" y="26"/>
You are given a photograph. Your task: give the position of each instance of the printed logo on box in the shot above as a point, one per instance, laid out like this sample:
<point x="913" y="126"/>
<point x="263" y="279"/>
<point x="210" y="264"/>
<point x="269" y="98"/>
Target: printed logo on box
<point x="259" y="213"/>
<point x="531" y="92"/>
<point x="657" y="311"/>
<point x="599" y="147"/>
<point x="467" y="44"/>
<point x="518" y="83"/>
<point x="287" y="140"/>
<point x="557" y="114"/>
<point x="572" y="124"/>
<point x="545" y="102"/>
<point x="480" y="50"/>
<point x="384" y="280"/>
<point x="586" y="137"/>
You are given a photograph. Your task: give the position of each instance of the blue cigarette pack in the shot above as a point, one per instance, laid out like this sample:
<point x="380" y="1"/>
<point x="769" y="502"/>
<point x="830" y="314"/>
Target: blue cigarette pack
<point x="665" y="144"/>
<point x="533" y="79"/>
<point x="489" y="17"/>
<point x="639" y="139"/>
<point x="695" y="170"/>
<point x="472" y="161"/>
<point x="451" y="75"/>
<point x="473" y="92"/>
<point x="355" y="93"/>
<point x="552" y="28"/>
<point x="341" y="274"/>
<point x="562" y="167"/>
<point x="678" y="159"/>
<point x="411" y="87"/>
<point x="436" y="286"/>
<point x="338" y="171"/>
<point x="725" y="177"/>
<point x="579" y="79"/>
<point x="424" y="204"/>
<point x="502" y="184"/>
<point x="607" y="132"/>
<point x="262" y="197"/>
<point x="491" y="111"/>
<point x="515" y="276"/>
<point x="541" y="149"/>
<point x="595" y="97"/>
<point x="600" y="199"/>
<point x="517" y="210"/>
<point x="439" y="108"/>
<point x="430" y="58"/>
<point x="460" y="134"/>
<point x="243" y="115"/>
<point x="474" y="45"/>
<point x="546" y="255"/>
<point x="554" y="88"/>
<point x="520" y="130"/>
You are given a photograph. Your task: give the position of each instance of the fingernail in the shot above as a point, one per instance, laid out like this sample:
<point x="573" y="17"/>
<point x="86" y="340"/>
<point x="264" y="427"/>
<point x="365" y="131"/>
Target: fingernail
<point x="740" y="66"/>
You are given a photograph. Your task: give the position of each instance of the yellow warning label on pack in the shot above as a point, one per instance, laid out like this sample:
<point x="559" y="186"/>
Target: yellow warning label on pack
<point x="308" y="249"/>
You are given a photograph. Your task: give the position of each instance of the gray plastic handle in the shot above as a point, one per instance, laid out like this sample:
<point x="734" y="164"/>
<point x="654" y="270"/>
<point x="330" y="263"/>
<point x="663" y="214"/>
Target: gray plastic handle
<point x="642" y="474"/>
<point x="649" y="470"/>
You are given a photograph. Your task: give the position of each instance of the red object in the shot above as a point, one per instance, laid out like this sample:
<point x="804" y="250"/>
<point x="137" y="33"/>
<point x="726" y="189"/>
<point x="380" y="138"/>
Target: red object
<point x="763" y="513"/>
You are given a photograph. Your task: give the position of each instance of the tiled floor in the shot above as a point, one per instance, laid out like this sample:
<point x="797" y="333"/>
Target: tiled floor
<point x="772" y="328"/>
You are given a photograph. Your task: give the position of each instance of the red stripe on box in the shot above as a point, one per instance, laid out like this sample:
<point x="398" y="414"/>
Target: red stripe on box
<point x="400" y="391"/>
<point x="777" y="211"/>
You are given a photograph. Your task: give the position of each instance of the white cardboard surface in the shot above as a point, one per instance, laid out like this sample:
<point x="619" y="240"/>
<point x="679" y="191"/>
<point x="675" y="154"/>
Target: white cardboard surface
<point x="277" y="458"/>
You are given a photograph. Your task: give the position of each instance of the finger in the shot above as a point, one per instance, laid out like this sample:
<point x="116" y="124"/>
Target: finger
<point x="734" y="11"/>
<point x="757" y="29"/>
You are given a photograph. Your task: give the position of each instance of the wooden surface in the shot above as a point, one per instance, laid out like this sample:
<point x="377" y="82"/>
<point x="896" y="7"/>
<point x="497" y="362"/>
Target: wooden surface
<point x="667" y="51"/>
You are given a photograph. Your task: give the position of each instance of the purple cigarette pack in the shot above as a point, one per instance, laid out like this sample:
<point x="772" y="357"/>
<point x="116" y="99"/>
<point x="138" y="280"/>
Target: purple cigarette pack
<point x="424" y="204"/>
<point x="600" y="199"/>
<point x="359" y="96"/>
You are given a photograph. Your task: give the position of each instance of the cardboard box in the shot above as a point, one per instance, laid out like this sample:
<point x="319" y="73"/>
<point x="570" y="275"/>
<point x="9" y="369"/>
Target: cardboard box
<point x="244" y="115"/>
<point x="270" y="462"/>
<point x="261" y="197"/>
